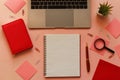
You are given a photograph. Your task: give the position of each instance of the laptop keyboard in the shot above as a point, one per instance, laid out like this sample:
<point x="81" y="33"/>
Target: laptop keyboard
<point x="59" y="4"/>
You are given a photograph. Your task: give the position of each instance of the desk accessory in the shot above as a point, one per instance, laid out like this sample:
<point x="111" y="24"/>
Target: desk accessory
<point x="26" y="70"/>
<point x="104" y="9"/>
<point x="100" y="44"/>
<point x="17" y="36"/>
<point x="15" y="5"/>
<point x="89" y="34"/>
<point x="106" y="71"/>
<point x="101" y="52"/>
<point x="87" y="59"/>
<point x="62" y="55"/>
<point x="114" y="28"/>
<point x="37" y="49"/>
<point x="23" y="12"/>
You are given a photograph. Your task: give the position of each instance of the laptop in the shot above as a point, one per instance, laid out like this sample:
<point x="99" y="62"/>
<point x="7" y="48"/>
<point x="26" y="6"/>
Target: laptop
<point x="59" y="14"/>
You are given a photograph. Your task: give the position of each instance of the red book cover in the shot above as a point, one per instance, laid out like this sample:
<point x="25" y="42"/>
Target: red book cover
<point x="17" y="36"/>
<point x="106" y="71"/>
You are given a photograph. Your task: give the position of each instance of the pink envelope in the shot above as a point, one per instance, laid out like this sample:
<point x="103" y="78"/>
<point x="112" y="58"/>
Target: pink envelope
<point x="114" y="28"/>
<point x="26" y="70"/>
<point x="15" y="5"/>
<point x="101" y="52"/>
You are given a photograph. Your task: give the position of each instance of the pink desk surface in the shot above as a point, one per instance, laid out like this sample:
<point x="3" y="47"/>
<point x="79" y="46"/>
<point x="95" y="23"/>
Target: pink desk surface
<point x="9" y="63"/>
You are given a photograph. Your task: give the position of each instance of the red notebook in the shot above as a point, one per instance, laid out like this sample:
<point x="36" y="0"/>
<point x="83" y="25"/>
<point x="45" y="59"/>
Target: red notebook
<point x="17" y="36"/>
<point x="106" y="71"/>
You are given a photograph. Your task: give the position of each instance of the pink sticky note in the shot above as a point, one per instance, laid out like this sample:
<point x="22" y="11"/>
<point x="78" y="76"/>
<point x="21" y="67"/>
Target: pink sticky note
<point x="101" y="52"/>
<point x="26" y="70"/>
<point x="15" y="5"/>
<point x="114" y="28"/>
<point x="117" y="49"/>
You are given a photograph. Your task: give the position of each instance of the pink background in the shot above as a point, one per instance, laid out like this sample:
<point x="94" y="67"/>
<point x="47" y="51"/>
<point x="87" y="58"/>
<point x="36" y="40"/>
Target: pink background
<point x="9" y="63"/>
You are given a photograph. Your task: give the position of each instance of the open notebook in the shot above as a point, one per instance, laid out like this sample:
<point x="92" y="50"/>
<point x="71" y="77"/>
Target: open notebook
<point x="62" y="55"/>
<point x="106" y="71"/>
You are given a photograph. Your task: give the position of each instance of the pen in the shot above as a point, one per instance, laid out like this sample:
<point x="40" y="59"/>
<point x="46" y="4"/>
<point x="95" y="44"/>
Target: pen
<point x="87" y="59"/>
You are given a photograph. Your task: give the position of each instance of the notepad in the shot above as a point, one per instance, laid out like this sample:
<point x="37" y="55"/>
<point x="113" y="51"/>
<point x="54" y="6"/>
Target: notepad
<point x="15" y="5"/>
<point x="17" y="36"/>
<point x="26" y="71"/>
<point x="62" y="55"/>
<point x="106" y="71"/>
<point x="114" y="28"/>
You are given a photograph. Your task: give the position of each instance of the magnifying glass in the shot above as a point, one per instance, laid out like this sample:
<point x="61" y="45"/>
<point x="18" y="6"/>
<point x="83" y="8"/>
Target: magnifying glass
<point x="99" y="44"/>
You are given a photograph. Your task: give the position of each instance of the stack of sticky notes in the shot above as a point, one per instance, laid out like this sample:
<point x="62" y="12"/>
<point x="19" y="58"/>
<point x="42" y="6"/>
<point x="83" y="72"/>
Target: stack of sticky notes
<point x="114" y="28"/>
<point x="17" y="36"/>
<point x="14" y="5"/>
<point x="26" y="70"/>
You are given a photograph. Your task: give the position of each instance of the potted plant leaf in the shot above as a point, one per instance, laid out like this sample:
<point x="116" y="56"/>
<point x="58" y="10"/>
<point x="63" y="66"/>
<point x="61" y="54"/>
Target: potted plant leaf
<point x="104" y="9"/>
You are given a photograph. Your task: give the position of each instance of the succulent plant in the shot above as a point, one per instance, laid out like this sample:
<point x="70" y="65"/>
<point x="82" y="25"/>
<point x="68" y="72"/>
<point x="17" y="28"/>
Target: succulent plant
<point x="105" y="9"/>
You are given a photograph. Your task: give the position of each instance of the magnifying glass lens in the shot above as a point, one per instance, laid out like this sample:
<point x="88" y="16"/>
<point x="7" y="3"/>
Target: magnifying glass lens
<point x="99" y="44"/>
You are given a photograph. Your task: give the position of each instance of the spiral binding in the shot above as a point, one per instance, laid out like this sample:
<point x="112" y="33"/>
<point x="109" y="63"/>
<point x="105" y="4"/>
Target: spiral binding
<point x="44" y="55"/>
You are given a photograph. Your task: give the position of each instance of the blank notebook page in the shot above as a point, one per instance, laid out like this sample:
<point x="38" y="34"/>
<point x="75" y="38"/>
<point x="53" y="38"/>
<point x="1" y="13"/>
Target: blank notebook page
<point x="62" y="55"/>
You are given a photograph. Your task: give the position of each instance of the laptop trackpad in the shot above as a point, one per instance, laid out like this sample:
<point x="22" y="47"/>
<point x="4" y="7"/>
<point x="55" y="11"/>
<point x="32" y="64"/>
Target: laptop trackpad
<point x="59" y="18"/>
